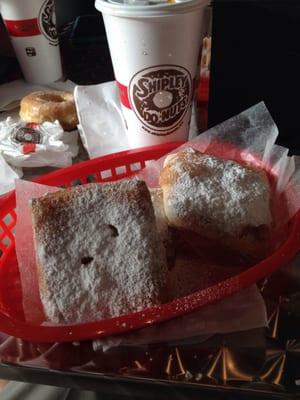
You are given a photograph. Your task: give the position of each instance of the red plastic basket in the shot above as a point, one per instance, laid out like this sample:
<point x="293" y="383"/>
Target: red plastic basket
<point x="103" y="169"/>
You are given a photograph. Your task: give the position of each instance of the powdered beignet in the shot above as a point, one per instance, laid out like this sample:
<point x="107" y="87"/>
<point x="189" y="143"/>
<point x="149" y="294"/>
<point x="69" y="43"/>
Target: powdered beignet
<point x="218" y="199"/>
<point x="98" y="251"/>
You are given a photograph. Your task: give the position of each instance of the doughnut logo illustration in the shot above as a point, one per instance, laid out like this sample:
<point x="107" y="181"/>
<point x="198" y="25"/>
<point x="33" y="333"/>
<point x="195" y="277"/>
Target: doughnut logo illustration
<point x="160" y="97"/>
<point x="26" y="135"/>
<point x="46" y="22"/>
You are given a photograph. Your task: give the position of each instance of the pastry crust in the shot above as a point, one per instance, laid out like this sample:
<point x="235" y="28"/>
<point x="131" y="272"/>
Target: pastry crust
<point x="50" y="105"/>
<point x="218" y="199"/>
<point x="98" y="252"/>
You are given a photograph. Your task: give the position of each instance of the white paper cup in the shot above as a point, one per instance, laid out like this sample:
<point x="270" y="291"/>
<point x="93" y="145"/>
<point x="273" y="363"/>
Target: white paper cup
<point x="155" y="55"/>
<point x="31" y="26"/>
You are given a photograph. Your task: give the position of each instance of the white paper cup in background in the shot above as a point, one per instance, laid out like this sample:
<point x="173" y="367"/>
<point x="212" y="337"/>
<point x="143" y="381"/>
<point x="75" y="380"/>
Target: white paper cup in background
<point x="155" y="55"/>
<point x="31" y="26"/>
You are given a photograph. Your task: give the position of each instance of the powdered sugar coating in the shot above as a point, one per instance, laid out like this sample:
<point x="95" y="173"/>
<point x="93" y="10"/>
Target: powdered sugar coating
<point x="213" y="196"/>
<point x="98" y="251"/>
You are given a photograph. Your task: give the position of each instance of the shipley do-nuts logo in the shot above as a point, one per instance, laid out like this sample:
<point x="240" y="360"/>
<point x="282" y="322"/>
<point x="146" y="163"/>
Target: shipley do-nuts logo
<point x="46" y="22"/>
<point x="160" y="96"/>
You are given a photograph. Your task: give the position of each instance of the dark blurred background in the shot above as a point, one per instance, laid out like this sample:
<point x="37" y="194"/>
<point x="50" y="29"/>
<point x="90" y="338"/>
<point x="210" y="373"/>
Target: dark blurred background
<point x="69" y="10"/>
<point x="255" y="56"/>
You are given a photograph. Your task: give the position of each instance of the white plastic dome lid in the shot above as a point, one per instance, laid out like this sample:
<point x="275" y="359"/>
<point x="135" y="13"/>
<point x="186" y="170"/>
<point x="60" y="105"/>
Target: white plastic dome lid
<point x="118" y="8"/>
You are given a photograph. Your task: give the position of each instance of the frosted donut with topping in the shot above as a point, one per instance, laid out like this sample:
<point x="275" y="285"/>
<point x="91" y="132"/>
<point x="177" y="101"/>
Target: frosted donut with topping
<point x="50" y="105"/>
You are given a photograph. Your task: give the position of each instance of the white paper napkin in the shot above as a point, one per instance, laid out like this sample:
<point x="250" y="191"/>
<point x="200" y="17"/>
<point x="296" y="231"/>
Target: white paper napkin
<point x="101" y="123"/>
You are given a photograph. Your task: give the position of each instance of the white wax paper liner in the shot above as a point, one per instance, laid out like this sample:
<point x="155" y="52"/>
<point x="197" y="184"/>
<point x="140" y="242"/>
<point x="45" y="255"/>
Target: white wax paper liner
<point x="25" y="191"/>
<point x="251" y="135"/>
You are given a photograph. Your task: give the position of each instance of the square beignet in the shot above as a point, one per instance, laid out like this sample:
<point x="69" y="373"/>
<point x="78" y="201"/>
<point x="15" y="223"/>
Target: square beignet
<point x="218" y="199"/>
<point x="98" y="252"/>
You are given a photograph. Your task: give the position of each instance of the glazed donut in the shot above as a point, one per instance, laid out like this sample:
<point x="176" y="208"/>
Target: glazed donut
<point x="50" y="105"/>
